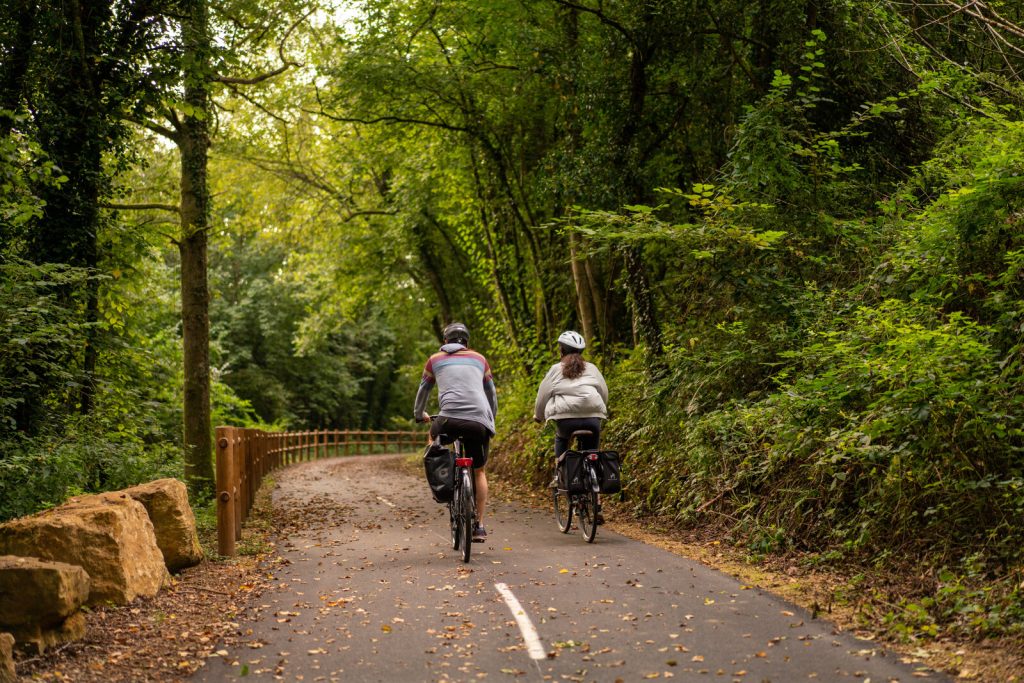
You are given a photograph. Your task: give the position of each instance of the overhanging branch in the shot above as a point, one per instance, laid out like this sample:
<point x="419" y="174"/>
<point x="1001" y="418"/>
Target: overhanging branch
<point x="145" y="206"/>
<point x="232" y="80"/>
<point x="155" y="127"/>
<point x="285" y="62"/>
<point x="602" y="17"/>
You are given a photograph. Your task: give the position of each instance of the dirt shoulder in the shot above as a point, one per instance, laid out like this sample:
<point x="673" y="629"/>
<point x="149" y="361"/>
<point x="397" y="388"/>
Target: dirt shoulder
<point x="169" y="636"/>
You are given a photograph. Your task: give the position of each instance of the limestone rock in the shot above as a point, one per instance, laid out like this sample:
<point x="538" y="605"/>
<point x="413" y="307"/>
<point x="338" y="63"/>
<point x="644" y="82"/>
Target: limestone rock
<point x="38" y="639"/>
<point x="34" y="591"/>
<point x="108" y="535"/>
<point x="7" y="673"/>
<point x="166" y="500"/>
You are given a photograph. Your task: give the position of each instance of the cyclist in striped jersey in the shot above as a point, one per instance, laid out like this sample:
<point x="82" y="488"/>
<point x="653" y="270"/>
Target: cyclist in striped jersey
<point x="468" y="404"/>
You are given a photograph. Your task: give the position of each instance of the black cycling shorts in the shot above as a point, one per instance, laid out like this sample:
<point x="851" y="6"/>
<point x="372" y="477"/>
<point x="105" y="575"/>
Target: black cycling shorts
<point x="475" y="437"/>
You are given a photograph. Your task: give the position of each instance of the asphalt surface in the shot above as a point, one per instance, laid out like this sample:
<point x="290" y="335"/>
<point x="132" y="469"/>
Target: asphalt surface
<point x="369" y="589"/>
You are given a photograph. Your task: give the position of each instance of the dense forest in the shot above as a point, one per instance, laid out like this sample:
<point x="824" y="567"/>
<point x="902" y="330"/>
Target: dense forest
<point x="791" y="233"/>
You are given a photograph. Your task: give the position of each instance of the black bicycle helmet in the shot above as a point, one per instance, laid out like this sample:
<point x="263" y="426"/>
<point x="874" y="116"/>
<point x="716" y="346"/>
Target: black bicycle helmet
<point x="456" y="333"/>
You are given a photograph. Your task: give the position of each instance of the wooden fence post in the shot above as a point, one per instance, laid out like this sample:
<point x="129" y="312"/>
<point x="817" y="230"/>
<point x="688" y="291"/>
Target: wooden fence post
<point x="225" y="497"/>
<point x="238" y="459"/>
<point x="263" y="458"/>
<point x="250" y="469"/>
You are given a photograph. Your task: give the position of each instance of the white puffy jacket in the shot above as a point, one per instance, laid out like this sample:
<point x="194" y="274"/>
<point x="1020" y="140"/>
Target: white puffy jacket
<point x="559" y="398"/>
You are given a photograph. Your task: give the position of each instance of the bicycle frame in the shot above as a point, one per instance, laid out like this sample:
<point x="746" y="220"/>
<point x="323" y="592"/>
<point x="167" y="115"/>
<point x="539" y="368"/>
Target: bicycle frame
<point x="584" y="505"/>
<point x="462" y="507"/>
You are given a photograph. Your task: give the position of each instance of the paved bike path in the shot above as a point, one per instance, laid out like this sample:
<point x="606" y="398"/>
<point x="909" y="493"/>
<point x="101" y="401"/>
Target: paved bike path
<point x="370" y="590"/>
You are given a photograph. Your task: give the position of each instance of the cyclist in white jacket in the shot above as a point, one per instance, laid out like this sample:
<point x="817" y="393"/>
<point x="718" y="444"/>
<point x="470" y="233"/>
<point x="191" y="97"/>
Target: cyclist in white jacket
<point x="573" y="395"/>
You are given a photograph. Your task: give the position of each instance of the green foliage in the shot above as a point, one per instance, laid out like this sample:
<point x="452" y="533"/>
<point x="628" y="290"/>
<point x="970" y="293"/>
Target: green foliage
<point x="50" y="450"/>
<point x="39" y="336"/>
<point x="84" y="457"/>
<point x="964" y="602"/>
<point x="23" y="169"/>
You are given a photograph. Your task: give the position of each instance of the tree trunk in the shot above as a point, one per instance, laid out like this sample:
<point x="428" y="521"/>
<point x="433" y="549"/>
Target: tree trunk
<point x="432" y="268"/>
<point x="582" y="272"/>
<point x="195" y="210"/>
<point x="14" y="67"/>
<point x="645" y="321"/>
<point x="497" y="285"/>
<point x="584" y="297"/>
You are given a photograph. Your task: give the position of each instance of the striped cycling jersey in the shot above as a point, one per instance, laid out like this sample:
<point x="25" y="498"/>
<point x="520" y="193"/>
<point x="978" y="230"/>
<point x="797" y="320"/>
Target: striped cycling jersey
<point x="465" y="387"/>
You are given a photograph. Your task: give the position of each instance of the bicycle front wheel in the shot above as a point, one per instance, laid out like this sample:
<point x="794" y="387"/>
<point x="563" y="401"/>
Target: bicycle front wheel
<point x="467" y="515"/>
<point x="588" y="509"/>
<point x="563" y="511"/>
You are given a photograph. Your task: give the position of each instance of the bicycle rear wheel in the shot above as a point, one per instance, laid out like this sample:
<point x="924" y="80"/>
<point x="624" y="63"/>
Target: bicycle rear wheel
<point x="588" y="508"/>
<point x="467" y="513"/>
<point x="563" y="511"/>
<point x="454" y="515"/>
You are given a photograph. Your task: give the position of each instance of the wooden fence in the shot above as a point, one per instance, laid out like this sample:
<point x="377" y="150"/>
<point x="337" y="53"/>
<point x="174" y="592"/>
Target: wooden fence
<point x="245" y="456"/>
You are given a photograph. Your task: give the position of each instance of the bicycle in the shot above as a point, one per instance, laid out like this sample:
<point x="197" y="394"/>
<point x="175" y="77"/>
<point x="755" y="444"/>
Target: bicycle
<point x="583" y="504"/>
<point x="462" y="506"/>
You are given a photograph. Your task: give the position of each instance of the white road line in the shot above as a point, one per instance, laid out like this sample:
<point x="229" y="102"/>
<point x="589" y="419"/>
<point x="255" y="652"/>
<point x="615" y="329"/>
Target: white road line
<point x="386" y="502"/>
<point x="533" y="645"/>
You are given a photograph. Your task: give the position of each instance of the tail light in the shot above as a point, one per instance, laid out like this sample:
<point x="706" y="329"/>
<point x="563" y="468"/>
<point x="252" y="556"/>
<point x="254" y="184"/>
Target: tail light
<point x="463" y="462"/>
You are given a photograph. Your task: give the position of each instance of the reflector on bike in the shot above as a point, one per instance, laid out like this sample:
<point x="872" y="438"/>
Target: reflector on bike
<point x="463" y="462"/>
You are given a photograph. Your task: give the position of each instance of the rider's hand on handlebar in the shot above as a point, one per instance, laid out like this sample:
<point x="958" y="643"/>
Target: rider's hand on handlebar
<point x="424" y="418"/>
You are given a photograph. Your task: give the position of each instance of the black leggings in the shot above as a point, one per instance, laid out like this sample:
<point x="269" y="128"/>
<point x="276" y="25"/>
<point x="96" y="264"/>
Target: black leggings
<point x="565" y="428"/>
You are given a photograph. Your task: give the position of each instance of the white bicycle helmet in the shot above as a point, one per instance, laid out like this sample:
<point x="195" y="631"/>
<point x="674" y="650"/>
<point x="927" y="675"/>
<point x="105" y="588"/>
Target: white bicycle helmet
<point x="573" y="340"/>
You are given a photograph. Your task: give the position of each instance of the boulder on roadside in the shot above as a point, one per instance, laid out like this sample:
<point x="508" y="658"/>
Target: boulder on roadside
<point x="109" y="535"/>
<point x="7" y="673"/>
<point x="37" y="639"/>
<point x="166" y="501"/>
<point x="34" y="591"/>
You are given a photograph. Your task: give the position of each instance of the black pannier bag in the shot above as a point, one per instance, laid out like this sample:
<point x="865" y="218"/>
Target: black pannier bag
<point x="610" y="472"/>
<point x="439" y="464"/>
<point x="570" y="472"/>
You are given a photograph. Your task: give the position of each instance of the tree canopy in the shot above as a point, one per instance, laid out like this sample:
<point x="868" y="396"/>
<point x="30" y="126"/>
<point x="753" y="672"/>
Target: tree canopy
<point x="790" y="233"/>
